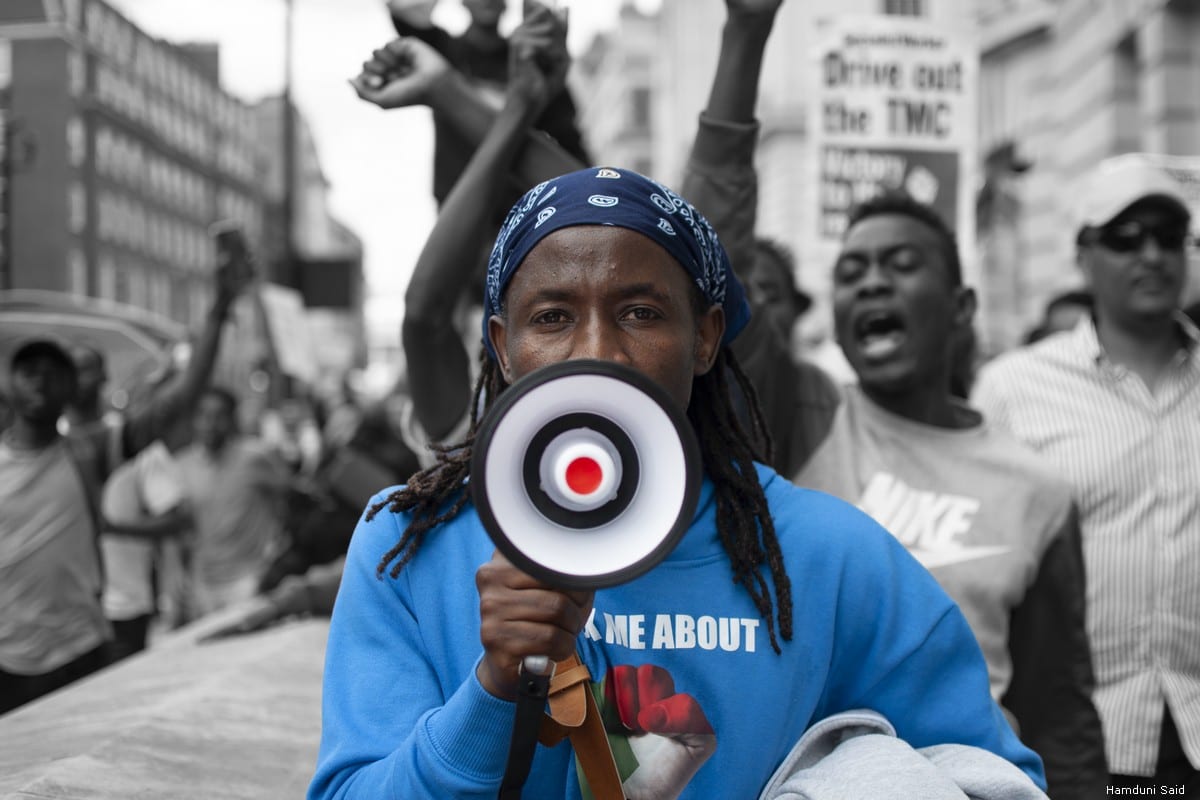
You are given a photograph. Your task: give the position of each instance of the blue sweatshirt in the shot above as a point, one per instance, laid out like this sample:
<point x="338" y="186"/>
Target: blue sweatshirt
<point x="697" y="703"/>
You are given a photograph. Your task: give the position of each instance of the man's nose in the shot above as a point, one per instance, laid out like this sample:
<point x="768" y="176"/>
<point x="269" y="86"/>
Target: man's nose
<point x="875" y="278"/>
<point x="601" y="340"/>
<point x="1151" y="251"/>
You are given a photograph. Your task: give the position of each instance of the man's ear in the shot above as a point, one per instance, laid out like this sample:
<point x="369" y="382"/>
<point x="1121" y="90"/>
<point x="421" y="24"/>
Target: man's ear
<point x="965" y="306"/>
<point x="498" y="336"/>
<point x="710" y="329"/>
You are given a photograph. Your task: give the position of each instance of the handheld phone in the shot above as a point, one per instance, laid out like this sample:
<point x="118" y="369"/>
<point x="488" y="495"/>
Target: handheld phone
<point x="233" y="254"/>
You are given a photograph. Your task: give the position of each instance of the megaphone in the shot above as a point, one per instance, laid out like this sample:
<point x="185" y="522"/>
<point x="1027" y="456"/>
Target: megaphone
<point x="585" y="474"/>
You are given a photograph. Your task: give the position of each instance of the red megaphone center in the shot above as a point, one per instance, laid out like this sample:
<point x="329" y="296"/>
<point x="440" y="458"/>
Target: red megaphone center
<point x="584" y="475"/>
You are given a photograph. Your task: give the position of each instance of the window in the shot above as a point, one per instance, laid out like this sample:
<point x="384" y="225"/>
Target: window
<point x="161" y="303"/>
<point x="76" y="73"/>
<point x="121" y="285"/>
<point x="76" y="208"/>
<point x="136" y="292"/>
<point x="904" y="8"/>
<point x="107" y="273"/>
<point x="77" y="272"/>
<point x="5" y="63"/>
<point x="105" y="214"/>
<point x="76" y="142"/>
<point x="104" y="148"/>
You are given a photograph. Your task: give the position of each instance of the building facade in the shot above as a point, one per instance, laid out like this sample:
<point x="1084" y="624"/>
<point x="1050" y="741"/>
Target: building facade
<point x="614" y="85"/>
<point x="123" y="150"/>
<point x="325" y="262"/>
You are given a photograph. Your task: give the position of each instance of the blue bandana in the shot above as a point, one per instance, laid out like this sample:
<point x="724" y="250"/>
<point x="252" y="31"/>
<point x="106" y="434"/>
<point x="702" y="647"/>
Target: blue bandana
<point x="625" y="199"/>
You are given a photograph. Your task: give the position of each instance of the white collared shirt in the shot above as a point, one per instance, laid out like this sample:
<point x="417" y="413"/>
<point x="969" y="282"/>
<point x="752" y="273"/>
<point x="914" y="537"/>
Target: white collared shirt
<point x="1133" y="458"/>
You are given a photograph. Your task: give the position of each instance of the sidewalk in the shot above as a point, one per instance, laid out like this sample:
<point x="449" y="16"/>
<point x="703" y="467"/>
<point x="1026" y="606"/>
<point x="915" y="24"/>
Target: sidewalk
<point x="232" y="719"/>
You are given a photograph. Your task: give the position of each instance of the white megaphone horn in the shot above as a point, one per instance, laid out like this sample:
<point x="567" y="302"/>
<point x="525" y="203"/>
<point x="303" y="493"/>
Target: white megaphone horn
<point x="585" y="474"/>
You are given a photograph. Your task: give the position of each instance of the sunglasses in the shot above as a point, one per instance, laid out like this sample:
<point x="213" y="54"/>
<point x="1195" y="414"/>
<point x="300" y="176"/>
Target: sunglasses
<point x="1130" y="236"/>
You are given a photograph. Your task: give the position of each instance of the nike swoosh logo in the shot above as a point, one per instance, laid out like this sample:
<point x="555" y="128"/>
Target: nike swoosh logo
<point x="932" y="559"/>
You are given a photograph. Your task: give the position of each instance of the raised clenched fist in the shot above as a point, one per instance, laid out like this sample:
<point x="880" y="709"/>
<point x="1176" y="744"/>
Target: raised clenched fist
<point x="668" y="732"/>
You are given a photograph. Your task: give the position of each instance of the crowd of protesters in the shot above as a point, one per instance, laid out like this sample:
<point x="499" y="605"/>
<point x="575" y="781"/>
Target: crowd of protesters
<point x="117" y="525"/>
<point x="1051" y="495"/>
<point x="1011" y="509"/>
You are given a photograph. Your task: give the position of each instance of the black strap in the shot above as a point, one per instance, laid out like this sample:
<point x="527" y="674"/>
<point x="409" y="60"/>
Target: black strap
<point x="527" y="721"/>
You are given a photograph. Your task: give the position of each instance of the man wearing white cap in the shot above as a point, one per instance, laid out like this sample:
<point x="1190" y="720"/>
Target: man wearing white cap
<point x="1115" y="405"/>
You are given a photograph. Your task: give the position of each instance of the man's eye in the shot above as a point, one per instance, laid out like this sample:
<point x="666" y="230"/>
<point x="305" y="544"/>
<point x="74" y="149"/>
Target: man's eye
<point x="847" y="270"/>
<point x="905" y="261"/>
<point x="551" y="317"/>
<point x="642" y="314"/>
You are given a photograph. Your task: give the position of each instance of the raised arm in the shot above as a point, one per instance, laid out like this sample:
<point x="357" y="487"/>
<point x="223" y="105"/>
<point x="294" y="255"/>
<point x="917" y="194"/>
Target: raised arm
<point x="438" y="362"/>
<point x="720" y="178"/>
<point x="409" y="72"/>
<point x="231" y="275"/>
<point x="797" y="403"/>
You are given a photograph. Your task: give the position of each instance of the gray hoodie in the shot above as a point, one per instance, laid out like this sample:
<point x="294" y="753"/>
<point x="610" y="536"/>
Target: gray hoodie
<point x="856" y="755"/>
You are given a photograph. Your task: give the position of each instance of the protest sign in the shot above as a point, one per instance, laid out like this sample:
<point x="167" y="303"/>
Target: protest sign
<point x="892" y="105"/>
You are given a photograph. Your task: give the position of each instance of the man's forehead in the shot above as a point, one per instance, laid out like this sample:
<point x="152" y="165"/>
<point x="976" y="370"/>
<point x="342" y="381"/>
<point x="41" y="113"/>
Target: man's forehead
<point x="568" y="260"/>
<point x="889" y="231"/>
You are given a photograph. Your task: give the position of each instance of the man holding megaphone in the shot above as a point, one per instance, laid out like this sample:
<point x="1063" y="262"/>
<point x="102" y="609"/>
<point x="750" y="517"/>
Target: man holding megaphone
<point x="701" y="679"/>
<point x="706" y="685"/>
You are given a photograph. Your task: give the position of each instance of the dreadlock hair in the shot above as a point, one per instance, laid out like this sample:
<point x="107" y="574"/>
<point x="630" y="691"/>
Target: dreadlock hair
<point x="747" y="532"/>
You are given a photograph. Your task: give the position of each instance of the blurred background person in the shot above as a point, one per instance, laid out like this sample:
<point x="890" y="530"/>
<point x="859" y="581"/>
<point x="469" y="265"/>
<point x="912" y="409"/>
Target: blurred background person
<point x="142" y="502"/>
<point x="770" y="282"/>
<point x="1062" y="312"/>
<point x="91" y="374"/>
<point x="235" y="489"/>
<point x="291" y="431"/>
<point x="770" y="279"/>
<point x="362" y="450"/>
<point x="52" y="627"/>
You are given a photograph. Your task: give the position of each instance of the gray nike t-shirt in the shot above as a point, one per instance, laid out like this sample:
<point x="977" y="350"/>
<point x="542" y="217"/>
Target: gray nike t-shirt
<point x="975" y="506"/>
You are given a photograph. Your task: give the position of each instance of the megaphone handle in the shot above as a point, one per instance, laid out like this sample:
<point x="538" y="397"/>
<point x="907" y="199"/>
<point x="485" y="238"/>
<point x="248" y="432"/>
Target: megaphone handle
<point x="534" y="687"/>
